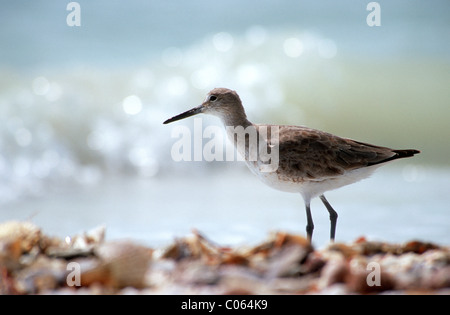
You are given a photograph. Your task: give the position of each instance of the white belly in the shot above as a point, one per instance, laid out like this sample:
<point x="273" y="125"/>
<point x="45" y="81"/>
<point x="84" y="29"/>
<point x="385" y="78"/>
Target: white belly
<point x="311" y="188"/>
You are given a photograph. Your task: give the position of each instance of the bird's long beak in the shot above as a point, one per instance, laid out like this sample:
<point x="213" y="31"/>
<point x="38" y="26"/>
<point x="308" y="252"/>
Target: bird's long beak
<point x="189" y="113"/>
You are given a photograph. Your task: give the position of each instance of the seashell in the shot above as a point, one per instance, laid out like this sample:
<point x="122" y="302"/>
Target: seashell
<point x="16" y="239"/>
<point x="418" y="247"/>
<point x="347" y="251"/>
<point x="120" y="264"/>
<point x="44" y="274"/>
<point x="334" y="271"/>
<point x="26" y="233"/>
<point x="81" y="245"/>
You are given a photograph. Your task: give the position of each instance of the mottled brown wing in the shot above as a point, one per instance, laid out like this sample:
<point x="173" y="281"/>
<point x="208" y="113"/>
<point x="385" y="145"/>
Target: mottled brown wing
<point x="312" y="154"/>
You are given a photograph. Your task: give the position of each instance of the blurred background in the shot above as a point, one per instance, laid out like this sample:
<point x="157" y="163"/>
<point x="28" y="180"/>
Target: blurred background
<point x="81" y="111"/>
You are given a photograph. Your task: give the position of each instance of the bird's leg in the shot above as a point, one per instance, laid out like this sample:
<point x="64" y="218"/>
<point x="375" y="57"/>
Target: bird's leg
<point x="333" y="217"/>
<point x="310" y="224"/>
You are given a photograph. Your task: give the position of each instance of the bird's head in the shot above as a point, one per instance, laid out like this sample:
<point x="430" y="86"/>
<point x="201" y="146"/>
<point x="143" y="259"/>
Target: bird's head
<point x="220" y="102"/>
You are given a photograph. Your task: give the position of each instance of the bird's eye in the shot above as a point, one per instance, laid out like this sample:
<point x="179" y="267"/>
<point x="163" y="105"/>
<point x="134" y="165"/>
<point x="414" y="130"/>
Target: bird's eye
<point x="212" y="98"/>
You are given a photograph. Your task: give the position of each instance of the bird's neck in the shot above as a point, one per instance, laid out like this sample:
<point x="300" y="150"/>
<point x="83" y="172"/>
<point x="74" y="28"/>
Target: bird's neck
<point x="241" y="132"/>
<point x="235" y="119"/>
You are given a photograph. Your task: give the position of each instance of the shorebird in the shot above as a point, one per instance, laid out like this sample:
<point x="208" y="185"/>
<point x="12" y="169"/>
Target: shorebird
<point x="310" y="161"/>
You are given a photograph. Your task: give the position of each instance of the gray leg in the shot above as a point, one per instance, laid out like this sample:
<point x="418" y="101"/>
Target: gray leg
<point x="310" y="224"/>
<point x="333" y="217"/>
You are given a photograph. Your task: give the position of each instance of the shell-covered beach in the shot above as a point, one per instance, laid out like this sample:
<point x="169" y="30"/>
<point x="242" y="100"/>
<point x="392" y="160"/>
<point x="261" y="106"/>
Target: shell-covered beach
<point x="32" y="262"/>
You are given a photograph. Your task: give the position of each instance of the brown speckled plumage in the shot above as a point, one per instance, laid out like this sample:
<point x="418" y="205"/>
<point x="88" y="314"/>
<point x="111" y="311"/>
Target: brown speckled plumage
<point x="312" y="154"/>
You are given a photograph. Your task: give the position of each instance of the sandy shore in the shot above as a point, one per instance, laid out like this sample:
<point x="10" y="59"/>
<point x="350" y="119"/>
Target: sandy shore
<point x="34" y="263"/>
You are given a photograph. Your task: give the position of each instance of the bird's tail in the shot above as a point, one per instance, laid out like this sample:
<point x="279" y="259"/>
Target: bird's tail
<point x="399" y="154"/>
<point x="404" y="153"/>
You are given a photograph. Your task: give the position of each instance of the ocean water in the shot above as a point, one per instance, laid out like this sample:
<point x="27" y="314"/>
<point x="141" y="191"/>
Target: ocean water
<point x="232" y="207"/>
<point x="81" y="111"/>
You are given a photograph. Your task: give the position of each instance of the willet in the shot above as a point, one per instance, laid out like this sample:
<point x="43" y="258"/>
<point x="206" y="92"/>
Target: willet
<point x="310" y="162"/>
